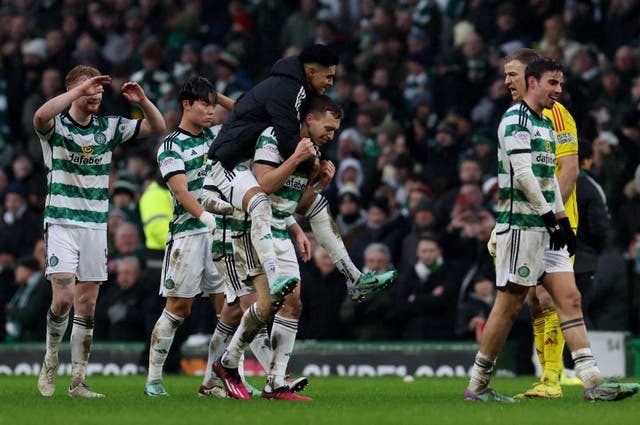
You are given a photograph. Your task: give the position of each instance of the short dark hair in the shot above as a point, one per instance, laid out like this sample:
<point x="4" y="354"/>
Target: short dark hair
<point x="524" y="56"/>
<point x="539" y="66"/>
<point x="323" y="103"/>
<point x="197" y="88"/>
<point x="320" y="54"/>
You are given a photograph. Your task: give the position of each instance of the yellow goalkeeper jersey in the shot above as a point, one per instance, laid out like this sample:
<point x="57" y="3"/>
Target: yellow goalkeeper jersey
<point x="567" y="135"/>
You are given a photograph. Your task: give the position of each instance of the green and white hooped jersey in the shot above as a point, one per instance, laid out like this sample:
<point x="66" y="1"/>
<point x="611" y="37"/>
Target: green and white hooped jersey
<point x="78" y="161"/>
<point x="182" y="152"/>
<point x="521" y="132"/>
<point x="285" y="200"/>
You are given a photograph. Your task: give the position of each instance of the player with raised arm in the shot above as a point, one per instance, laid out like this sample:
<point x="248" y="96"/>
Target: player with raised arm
<point x="534" y="237"/>
<point x="77" y="146"/>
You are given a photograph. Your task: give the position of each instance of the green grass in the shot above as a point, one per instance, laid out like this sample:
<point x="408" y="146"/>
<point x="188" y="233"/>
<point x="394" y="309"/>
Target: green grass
<point x="337" y="401"/>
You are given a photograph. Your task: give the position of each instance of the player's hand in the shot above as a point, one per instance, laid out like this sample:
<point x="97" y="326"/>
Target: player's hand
<point x="133" y="92"/>
<point x="557" y="239"/>
<point x="492" y="243"/>
<point x="304" y="246"/>
<point x="94" y="85"/>
<point x="327" y="172"/>
<point x="208" y="220"/>
<point x="570" y="237"/>
<point x="304" y="150"/>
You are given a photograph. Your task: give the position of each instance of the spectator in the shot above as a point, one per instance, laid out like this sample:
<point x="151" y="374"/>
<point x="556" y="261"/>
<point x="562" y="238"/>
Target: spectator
<point x="158" y="84"/>
<point x="441" y="153"/>
<point x="371" y="319"/>
<point x="29" y="304"/>
<point x="593" y="229"/>
<point x="423" y="216"/>
<point x="119" y="312"/>
<point x="380" y="229"/>
<point x="50" y="86"/>
<point x="126" y="242"/>
<point x="474" y="310"/>
<point x="226" y="79"/>
<point x="428" y="294"/>
<point x="7" y="283"/>
<point x="299" y="26"/>
<point x="351" y="218"/>
<point x="19" y="220"/>
<point x="124" y="196"/>
<point x="555" y="34"/>
<point x="322" y="294"/>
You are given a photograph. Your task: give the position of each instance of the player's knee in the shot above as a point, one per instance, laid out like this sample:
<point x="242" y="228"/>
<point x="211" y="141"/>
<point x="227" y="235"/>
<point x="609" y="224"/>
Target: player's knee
<point x="544" y="299"/>
<point x="573" y="300"/>
<point x="85" y="306"/>
<point x="181" y="307"/>
<point x="231" y="315"/>
<point x="61" y="304"/>
<point x="513" y="310"/>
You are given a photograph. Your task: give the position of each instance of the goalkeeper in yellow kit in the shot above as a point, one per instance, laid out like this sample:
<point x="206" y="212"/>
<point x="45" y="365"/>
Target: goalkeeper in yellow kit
<point x="548" y="338"/>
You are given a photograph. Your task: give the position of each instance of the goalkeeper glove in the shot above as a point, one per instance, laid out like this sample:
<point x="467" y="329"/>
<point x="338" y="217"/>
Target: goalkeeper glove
<point x="557" y="238"/>
<point x="570" y="237"/>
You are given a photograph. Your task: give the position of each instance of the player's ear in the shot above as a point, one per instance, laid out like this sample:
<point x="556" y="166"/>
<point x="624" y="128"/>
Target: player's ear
<point x="308" y="118"/>
<point x="309" y="71"/>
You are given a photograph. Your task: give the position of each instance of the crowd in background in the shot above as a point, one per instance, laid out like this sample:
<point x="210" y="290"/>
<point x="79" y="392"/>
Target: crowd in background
<point x="421" y="84"/>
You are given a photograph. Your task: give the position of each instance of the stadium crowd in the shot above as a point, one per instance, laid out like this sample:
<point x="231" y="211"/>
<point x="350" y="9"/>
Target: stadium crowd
<point x="422" y="86"/>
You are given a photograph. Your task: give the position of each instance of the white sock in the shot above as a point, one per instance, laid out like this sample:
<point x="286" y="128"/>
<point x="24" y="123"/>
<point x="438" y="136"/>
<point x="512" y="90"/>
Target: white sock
<point x="283" y="339"/>
<point x="161" y="339"/>
<point x="81" y="337"/>
<point x="328" y="236"/>
<point x="586" y="367"/>
<point x="251" y="323"/>
<point x="219" y="341"/>
<point x="481" y="372"/>
<point x="349" y="270"/>
<point x="56" y="327"/>
<point x="261" y="348"/>
<point x="260" y="211"/>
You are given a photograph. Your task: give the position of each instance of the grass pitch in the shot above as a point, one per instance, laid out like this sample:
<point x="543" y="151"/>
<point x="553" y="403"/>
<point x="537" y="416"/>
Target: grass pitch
<point x="337" y="401"/>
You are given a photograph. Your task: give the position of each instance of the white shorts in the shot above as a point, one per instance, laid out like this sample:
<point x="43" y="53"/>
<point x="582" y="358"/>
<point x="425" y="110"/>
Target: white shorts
<point x="188" y="268"/>
<point x="233" y="185"/>
<point x="78" y="250"/>
<point x="239" y="262"/>
<point x="519" y="259"/>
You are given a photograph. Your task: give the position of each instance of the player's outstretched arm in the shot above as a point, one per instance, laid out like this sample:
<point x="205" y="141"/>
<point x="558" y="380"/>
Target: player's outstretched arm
<point x="43" y="117"/>
<point x="153" y="121"/>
